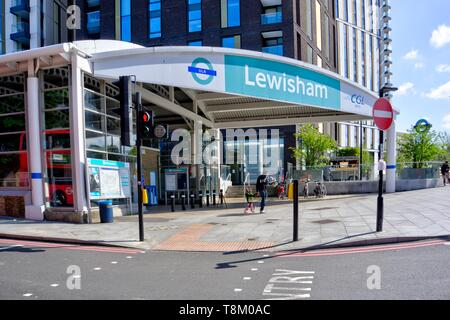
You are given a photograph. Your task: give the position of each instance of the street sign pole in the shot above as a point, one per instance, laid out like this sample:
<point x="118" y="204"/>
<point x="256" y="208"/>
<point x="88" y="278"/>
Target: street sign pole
<point x="380" y="200"/>
<point x="139" y="164"/>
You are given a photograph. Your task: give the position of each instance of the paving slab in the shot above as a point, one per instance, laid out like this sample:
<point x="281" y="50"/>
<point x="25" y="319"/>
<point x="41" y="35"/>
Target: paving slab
<point x="333" y="221"/>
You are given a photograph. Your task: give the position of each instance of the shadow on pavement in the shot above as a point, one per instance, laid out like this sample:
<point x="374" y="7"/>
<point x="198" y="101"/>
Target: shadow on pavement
<point x="232" y="264"/>
<point x="20" y="249"/>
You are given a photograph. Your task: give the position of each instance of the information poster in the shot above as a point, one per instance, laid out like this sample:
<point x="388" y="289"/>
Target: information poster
<point x="108" y="179"/>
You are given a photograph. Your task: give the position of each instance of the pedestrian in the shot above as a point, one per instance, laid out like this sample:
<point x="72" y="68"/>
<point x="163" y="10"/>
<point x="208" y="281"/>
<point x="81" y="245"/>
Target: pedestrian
<point x="261" y="188"/>
<point x="445" y="173"/>
<point x="249" y="195"/>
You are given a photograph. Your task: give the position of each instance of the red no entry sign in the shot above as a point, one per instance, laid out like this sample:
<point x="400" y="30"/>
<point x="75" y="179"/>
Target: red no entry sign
<point x="383" y="114"/>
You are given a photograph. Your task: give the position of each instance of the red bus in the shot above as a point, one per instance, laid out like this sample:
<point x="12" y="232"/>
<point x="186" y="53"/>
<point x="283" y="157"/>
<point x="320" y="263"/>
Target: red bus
<point x="59" y="166"/>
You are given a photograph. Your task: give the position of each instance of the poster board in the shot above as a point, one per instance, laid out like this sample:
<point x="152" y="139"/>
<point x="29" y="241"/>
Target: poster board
<point x="108" y="179"/>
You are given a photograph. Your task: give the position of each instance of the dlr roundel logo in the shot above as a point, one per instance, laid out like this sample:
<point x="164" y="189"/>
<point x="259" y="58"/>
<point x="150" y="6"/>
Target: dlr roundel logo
<point x="357" y="99"/>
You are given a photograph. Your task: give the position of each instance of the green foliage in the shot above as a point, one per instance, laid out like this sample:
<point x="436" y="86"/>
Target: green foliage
<point x="420" y="147"/>
<point x="313" y="147"/>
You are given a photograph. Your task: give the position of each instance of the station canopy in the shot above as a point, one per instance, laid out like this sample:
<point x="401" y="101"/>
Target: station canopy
<point x="227" y="88"/>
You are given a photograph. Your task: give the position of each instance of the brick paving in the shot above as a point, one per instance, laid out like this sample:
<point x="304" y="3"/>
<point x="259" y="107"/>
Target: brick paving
<point x="189" y="240"/>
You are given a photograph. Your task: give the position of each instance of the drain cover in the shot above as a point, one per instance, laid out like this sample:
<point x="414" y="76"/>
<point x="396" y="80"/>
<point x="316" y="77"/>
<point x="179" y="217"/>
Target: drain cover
<point x="328" y="221"/>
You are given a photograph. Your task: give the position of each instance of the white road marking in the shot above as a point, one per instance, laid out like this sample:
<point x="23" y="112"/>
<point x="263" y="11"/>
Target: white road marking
<point x="261" y="262"/>
<point x="113" y="262"/>
<point x="294" y="281"/>
<point x="237" y="290"/>
<point x="254" y="269"/>
<point x="129" y="257"/>
<point x="10" y="247"/>
<point x="97" y="269"/>
<point x="247" y="278"/>
<point x="54" y="285"/>
<point x="27" y="294"/>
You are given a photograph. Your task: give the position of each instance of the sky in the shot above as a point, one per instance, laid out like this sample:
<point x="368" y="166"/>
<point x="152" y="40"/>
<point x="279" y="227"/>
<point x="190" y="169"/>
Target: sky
<point x="421" y="62"/>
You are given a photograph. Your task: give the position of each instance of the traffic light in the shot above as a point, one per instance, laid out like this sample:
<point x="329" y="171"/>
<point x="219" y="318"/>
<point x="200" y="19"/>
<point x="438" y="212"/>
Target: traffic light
<point x="126" y="104"/>
<point x="147" y="120"/>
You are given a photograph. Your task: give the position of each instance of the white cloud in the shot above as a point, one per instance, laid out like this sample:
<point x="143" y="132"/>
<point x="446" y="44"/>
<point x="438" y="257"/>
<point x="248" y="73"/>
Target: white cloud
<point x="405" y="88"/>
<point x="412" y="55"/>
<point x="446" y="123"/>
<point x="443" y="68"/>
<point x="419" y="65"/>
<point x="443" y="92"/>
<point x="440" y="36"/>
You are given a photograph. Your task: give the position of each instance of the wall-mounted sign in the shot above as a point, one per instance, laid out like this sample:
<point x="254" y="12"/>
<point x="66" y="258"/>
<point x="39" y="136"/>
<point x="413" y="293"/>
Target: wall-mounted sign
<point x="239" y="72"/>
<point x="108" y="179"/>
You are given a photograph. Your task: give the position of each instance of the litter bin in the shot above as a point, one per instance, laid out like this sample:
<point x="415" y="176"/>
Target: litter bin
<point x="106" y="211"/>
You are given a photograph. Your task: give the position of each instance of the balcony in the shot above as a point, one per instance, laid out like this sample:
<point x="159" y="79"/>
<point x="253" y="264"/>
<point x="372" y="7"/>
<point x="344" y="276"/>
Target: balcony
<point x="20" y="8"/>
<point x="277" y="50"/>
<point x="21" y="33"/>
<point x="271" y="18"/>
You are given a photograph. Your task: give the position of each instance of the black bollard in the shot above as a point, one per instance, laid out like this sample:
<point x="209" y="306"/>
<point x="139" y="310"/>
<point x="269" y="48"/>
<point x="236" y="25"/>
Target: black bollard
<point x="295" y="210"/>
<point x="214" y="197"/>
<point x="200" y="199"/>
<point x="192" y="200"/>
<point x="172" y="202"/>
<point x="183" y="202"/>
<point x="207" y="198"/>
<point x="221" y="197"/>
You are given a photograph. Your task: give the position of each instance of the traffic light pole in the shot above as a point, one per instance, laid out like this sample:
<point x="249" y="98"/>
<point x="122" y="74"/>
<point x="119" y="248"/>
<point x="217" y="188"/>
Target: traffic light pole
<point x="139" y="164"/>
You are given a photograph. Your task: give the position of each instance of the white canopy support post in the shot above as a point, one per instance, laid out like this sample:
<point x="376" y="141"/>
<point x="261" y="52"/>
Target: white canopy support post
<point x="35" y="211"/>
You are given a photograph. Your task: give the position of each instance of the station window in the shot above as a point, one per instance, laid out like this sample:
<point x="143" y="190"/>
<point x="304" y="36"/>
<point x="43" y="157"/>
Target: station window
<point x="13" y="147"/>
<point x="154" y="19"/>
<point x="56" y="135"/>
<point x="194" y="15"/>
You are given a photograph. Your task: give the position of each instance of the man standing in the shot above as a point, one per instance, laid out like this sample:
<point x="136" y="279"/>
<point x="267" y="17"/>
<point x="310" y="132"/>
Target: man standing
<point x="261" y="188"/>
<point x="445" y="172"/>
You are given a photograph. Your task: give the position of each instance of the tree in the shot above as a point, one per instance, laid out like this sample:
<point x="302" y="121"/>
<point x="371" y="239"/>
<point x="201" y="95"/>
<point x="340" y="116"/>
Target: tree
<point x="420" y="147"/>
<point x="355" y="152"/>
<point x="313" y="146"/>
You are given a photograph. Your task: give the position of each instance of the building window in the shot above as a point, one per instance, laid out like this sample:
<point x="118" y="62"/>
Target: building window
<point x="327" y="40"/>
<point x="346" y="10"/>
<point x="309" y="55"/>
<point x="196" y="43"/>
<point x="306" y="24"/>
<point x="272" y="15"/>
<point x="125" y="20"/>
<point x="232" y="42"/>
<point x="273" y="46"/>
<point x="318" y="26"/>
<point x="370" y="65"/>
<point x="231" y="13"/>
<point x="363" y="59"/>
<point x="93" y="22"/>
<point x="155" y="19"/>
<point x="346" y="74"/>
<point x="355" y="56"/>
<point x="355" y="12"/>
<point x="195" y="15"/>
